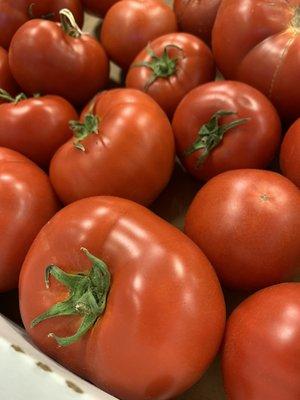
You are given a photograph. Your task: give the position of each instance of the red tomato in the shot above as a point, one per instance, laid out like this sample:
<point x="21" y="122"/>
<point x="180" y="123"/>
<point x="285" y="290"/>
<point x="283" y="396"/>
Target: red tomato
<point x="98" y="7"/>
<point x="130" y="25"/>
<point x="164" y="315"/>
<point x="7" y="81"/>
<point x="225" y="125"/>
<point x="247" y="223"/>
<point x="49" y="58"/>
<point x="27" y="203"/>
<point x="169" y="67"/>
<point x="197" y="16"/>
<point x="262" y="346"/>
<point x="14" y="13"/>
<point x="290" y="154"/>
<point x="124" y="147"/>
<point x="258" y="42"/>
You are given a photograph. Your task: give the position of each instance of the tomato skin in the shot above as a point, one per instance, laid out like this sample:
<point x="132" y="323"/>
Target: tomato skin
<point x="290" y="154"/>
<point x="130" y="25"/>
<point x="247" y="224"/>
<point x="41" y="57"/>
<point x="155" y="337"/>
<point x="257" y="42"/>
<point x="97" y="7"/>
<point x="14" y="13"/>
<point x="261" y="346"/>
<point x="27" y="203"/>
<point x="195" y="66"/>
<point x="7" y="81"/>
<point x="197" y="17"/>
<point x="36" y="127"/>
<point x="252" y="144"/>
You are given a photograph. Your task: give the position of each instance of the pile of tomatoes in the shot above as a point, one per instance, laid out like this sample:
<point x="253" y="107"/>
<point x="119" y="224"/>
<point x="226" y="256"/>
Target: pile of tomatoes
<point x="106" y="287"/>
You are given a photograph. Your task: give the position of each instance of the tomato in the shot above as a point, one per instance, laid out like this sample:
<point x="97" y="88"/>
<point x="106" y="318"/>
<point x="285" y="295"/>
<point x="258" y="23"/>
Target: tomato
<point x="27" y="203"/>
<point x="290" y="154"/>
<point x="164" y="315"/>
<point x="225" y="125"/>
<point x="97" y="7"/>
<point x="169" y="67"/>
<point x="49" y="58"/>
<point x="262" y="346"/>
<point x="7" y="81"/>
<point x="258" y="42"/>
<point x="130" y="25"/>
<point x="247" y="224"/>
<point x="123" y="147"/>
<point x="197" y="16"/>
<point x="14" y="13"/>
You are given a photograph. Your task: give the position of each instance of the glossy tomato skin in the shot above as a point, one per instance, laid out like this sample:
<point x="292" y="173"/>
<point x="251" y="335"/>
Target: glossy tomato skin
<point x="130" y="25"/>
<point x="7" y="81"/>
<point x="165" y="313"/>
<point x="197" y="17"/>
<point x="258" y="42"/>
<point x="195" y="66"/>
<point x="27" y="203"/>
<point x="132" y="156"/>
<point x="252" y="144"/>
<point x="290" y="154"/>
<point x="36" y="127"/>
<point x="14" y="13"/>
<point x="261" y="346"/>
<point x="247" y="224"/>
<point x="42" y="59"/>
<point x="97" y="7"/>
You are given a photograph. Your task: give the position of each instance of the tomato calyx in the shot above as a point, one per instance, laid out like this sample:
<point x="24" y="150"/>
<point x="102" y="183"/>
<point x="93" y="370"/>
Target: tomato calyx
<point x="162" y="67"/>
<point x="32" y="15"/>
<point x="5" y="96"/>
<point x="82" y="130"/>
<point x="88" y="297"/>
<point x="211" y="134"/>
<point x="68" y="24"/>
<point x="296" y="20"/>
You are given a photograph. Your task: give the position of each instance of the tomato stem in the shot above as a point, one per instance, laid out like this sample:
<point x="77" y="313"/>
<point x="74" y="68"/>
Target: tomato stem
<point x="69" y="24"/>
<point x="83" y="129"/>
<point x="5" y="96"/>
<point x="296" y="20"/>
<point x="87" y="298"/>
<point x="211" y="134"/>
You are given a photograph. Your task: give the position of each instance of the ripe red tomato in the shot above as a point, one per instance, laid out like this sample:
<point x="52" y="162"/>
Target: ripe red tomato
<point x="247" y="223"/>
<point x="225" y="125"/>
<point x="164" y="315"/>
<point x="27" y="203"/>
<point x="49" y="58"/>
<point x="169" y="67"/>
<point x="7" y="81"/>
<point x="124" y="147"/>
<point x="98" y="7"/>
<point x="197" y="16"/>
<point x="258" y="42"/>
<point x="14" y="13"/>
<point x="130" y="25"/>
<point x="262" y="346"/>
<point x="290" y="154"/>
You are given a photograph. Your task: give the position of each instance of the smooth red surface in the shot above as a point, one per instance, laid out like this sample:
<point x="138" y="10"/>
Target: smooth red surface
<point x="247" y="224"/>
<point x="98" y="7"/>
<point x="7" y="81"/>
<point x="258" y="42"/>
<point x="27" y="203"/>
<point x="262" y="346"/>
<point x="14" y="13"/>
<point x="165" y="313"/>
<point x="290" y="154"/>
<point x="195" y="66"/>
<point x="250" y="145"/>
<point x="130" y="25"/>
<point x="45" y="60"/>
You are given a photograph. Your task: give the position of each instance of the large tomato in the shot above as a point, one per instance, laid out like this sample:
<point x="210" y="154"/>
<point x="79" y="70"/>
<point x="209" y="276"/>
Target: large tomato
<point x="49" y="58"/>
<point x="7" y="81"/>
<point x="36" y="127"/>
<point x="147" y="312"/>
<point x="258" y="42"/>
<point x="225" y="125"/>
<point x="123" y="147"/>
<point x="98" y="7"/>
<point x="14" y="13"/>
<point x="247" y="223"/>
<point x="197" y="16"/>
<point x="262" y="346"/>
<point x="27" y="202"/>
<point x="130" y="24"/>
<point x="171" y="66"/>
<point x="290" y="154"/>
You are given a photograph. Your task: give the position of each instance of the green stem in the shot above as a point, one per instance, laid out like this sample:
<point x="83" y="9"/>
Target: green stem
<point x="87" y="297"/>
<point x="69" y="24"/>
<point x="296" y="20"/>
<point x="5" y="96"/>
<point x="82" y="130"/>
